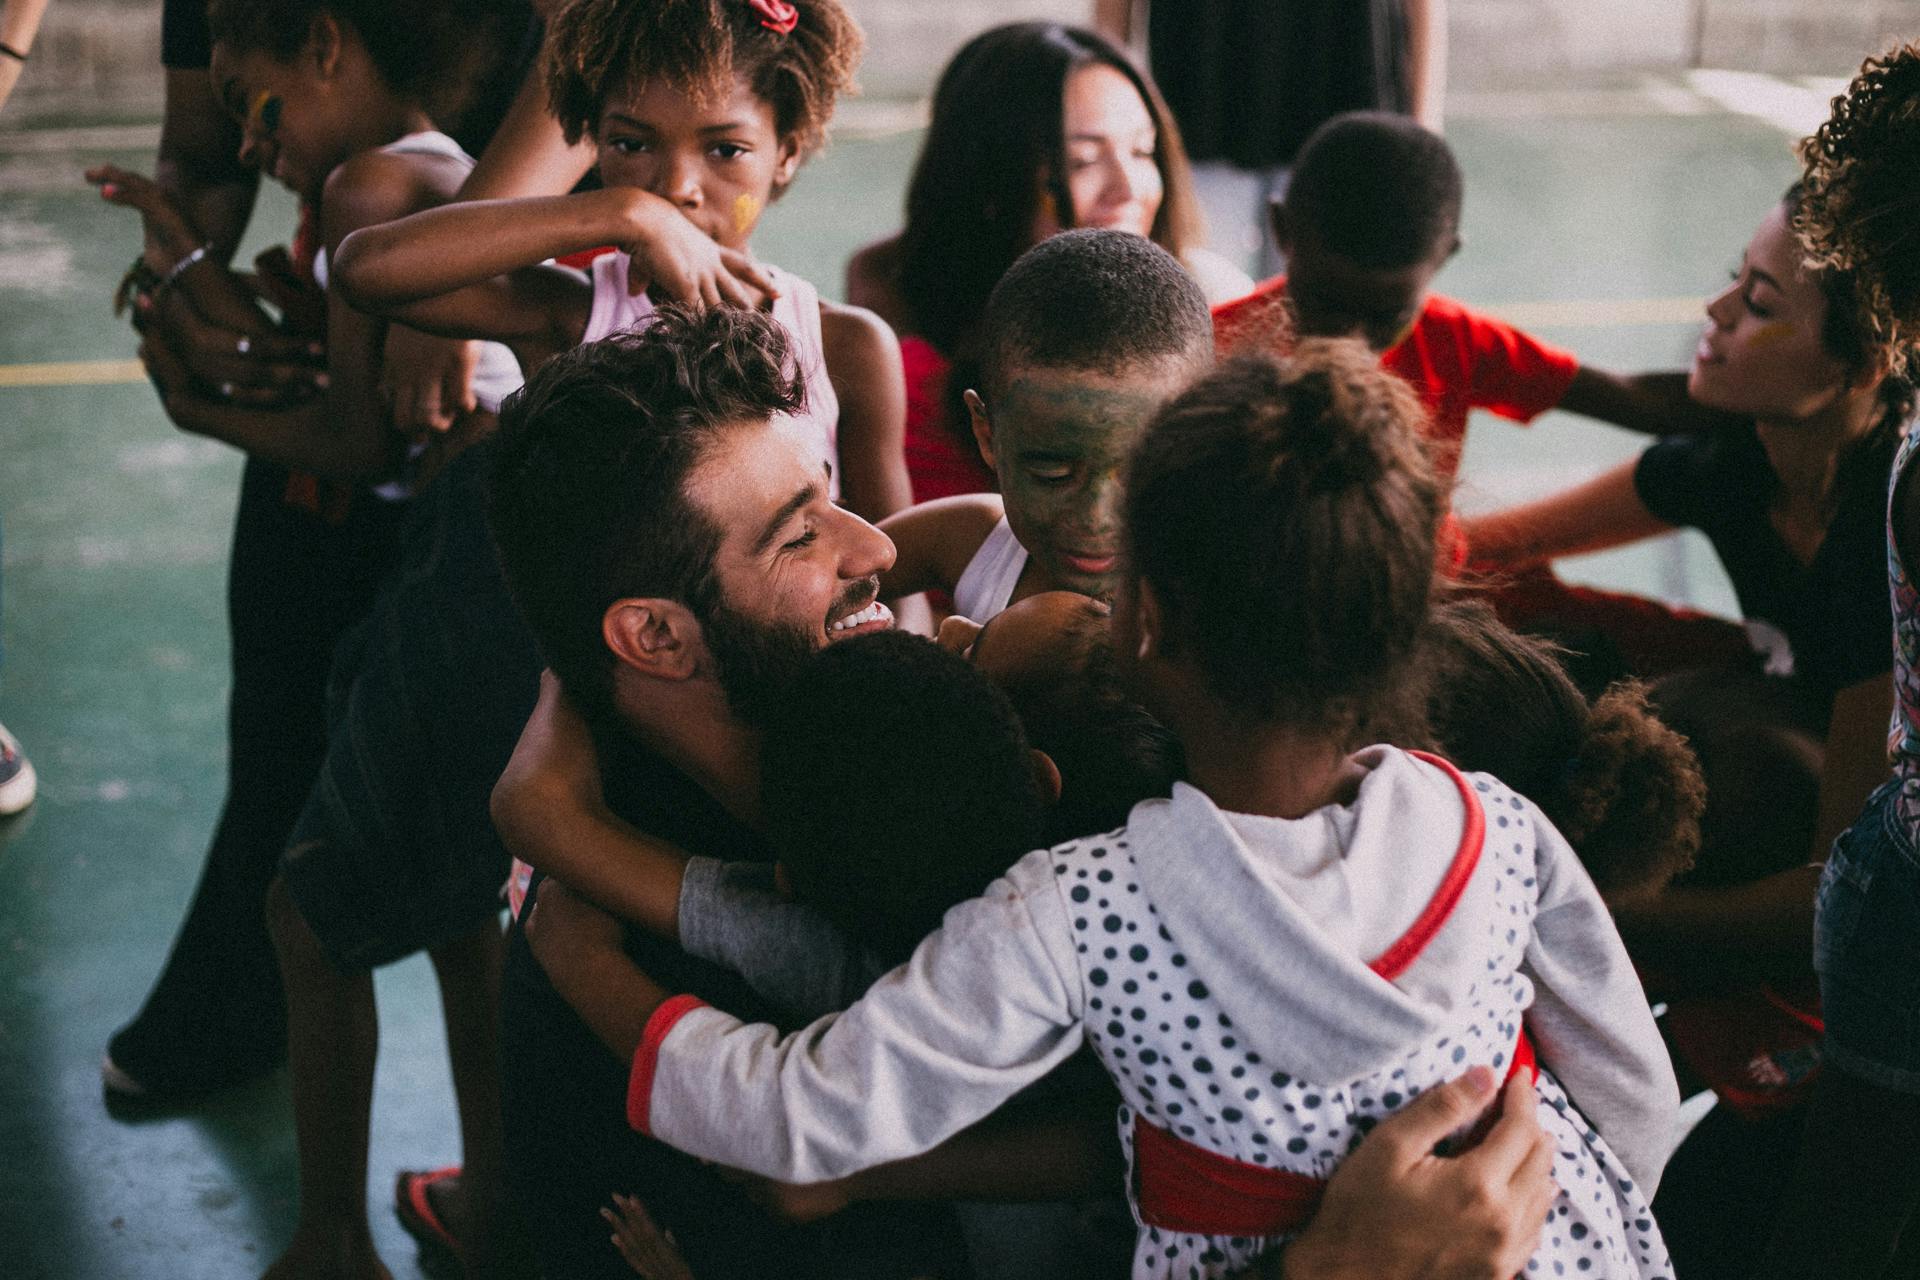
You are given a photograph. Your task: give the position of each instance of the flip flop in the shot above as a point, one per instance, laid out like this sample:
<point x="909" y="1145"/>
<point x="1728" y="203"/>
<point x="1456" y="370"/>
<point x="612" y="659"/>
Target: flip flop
<point x="440" y="1252"/>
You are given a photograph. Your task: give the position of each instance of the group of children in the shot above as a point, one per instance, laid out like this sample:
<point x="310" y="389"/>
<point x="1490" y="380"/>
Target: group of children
<point x="1225" y="802"/>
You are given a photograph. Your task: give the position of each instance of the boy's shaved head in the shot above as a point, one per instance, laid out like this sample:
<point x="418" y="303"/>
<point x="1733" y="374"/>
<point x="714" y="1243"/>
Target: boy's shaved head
<point x="1377" y="189"/>
<point x="1096" y="300"/>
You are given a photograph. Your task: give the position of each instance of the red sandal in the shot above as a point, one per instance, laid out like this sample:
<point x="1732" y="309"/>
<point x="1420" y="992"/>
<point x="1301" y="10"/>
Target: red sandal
<point x="440" y="1252"/>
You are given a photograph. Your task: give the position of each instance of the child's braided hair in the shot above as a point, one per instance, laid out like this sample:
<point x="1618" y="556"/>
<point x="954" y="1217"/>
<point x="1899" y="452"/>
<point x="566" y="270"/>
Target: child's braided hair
<point x="599" y="48"/>
<point x="1858" y="212"/>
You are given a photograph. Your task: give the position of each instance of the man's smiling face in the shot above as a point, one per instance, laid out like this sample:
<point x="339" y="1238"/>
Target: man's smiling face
<point x="789" y="556"/>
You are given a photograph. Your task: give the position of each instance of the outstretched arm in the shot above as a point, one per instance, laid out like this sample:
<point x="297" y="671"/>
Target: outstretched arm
<point x="933" y="541"/>
<point x="1654" y="403"/>
<point x="471" y="269"/>
<point x="1604" y="512"/>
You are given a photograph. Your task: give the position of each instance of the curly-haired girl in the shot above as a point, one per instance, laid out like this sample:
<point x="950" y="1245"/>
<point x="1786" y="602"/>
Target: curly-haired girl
<point x="701" y="111"/>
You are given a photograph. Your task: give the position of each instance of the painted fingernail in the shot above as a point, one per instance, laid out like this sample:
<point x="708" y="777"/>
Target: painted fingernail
<point x="226" y="391"/>
<point x="244" y="345"/>
<point x="108" y="190"/>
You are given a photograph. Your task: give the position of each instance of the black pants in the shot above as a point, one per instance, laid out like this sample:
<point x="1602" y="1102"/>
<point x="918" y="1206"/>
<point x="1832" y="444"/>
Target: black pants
<point x="296" y="581"/>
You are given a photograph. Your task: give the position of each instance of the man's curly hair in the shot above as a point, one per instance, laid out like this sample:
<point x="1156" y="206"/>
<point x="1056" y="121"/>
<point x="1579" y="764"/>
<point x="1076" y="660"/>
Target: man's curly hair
<point x="1859" y="207"/>
<point x="597" y="49"/>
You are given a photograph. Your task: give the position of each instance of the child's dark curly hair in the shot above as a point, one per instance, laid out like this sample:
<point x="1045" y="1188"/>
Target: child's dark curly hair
<point x="1858" y="208"/>
<point x="1284" y="514"/>
<point x="1623" y="788"/>
<point x="599" y="48"/>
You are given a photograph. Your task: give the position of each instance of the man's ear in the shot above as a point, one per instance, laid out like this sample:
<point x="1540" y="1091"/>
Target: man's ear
<point x="1045" y="773"/>
<point x="657" y="638"/>
<point x="982" y="426"/>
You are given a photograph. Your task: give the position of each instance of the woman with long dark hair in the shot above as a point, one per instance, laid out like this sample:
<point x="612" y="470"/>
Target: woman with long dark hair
<point x="1036" y="127"/>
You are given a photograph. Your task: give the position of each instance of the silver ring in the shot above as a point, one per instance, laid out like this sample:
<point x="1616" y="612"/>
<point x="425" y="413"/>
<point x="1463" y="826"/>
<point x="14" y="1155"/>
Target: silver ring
<point x="244" y="345"/>
<point x="226" y="391"/>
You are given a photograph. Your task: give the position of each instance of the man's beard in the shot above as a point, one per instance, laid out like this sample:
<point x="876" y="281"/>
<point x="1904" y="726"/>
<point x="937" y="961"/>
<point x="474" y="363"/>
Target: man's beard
<point x="754" y="661"/>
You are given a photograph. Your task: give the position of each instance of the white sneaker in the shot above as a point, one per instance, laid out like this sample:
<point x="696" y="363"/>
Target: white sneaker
<point x="17" y="782"/>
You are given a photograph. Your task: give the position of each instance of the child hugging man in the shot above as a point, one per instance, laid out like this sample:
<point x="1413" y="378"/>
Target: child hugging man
<point x="1089" y="331"/>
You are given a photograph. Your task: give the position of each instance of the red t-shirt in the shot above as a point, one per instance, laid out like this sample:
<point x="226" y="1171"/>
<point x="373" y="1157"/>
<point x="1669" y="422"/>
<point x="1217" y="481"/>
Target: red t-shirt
<point x="1456" y="358"/>
<point x="941" y="461"/>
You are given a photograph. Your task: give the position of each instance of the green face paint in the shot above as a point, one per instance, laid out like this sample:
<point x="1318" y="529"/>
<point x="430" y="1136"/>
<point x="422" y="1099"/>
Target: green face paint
<point x="1061" y="440"/>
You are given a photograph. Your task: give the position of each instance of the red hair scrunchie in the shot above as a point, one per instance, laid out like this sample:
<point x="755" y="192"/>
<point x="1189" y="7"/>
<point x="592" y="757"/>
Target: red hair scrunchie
<point x="776" y="16"/>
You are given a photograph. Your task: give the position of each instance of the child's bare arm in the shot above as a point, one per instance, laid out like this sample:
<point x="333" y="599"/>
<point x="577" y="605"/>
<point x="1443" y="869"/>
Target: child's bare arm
<point x="550" y="811"/>
<point x="472" y="269"/>
<point x="1654" y="403"/>
<point x="933" y="541"/>
<point x="863" y="360"/>
<point x="578" y="946"/>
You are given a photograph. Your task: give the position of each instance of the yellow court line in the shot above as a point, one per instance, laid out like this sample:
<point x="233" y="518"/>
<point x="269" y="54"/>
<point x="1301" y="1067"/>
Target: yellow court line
<point x="72" y="373"/>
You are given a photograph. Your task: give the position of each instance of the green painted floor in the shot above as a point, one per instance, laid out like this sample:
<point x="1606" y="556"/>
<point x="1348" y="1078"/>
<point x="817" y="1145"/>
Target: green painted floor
<point x="114" y="546"/>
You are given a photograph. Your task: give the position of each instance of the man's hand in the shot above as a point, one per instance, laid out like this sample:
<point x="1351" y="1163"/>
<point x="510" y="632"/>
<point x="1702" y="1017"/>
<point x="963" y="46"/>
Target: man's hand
<point x="1396" y="1211"/>
<point x="426" y="381"/>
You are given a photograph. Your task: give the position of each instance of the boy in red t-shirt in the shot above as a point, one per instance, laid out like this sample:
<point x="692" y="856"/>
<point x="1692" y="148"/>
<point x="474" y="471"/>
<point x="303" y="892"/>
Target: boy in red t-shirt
<point x="1371" y="215"/>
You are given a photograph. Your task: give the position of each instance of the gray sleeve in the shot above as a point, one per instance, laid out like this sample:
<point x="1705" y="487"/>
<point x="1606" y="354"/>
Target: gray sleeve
<point x="788" y="953"/>
<point x="1590" y="1019"/>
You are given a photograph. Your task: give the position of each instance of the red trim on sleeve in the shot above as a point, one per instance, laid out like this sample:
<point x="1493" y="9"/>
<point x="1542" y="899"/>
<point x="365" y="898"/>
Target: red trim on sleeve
<point x="1394" y="960"/>
<point x="647" y="1057"/>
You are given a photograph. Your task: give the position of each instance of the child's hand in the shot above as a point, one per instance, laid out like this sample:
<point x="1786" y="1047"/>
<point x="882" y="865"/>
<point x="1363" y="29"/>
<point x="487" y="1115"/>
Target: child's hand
<point x="569" y="936"/>
<point x="554" y="760"/>
<point x="171" y="235"/>
<point x="647" y="1249"/>
<point x="676" y="261"/>
<point x="427" y="382"/>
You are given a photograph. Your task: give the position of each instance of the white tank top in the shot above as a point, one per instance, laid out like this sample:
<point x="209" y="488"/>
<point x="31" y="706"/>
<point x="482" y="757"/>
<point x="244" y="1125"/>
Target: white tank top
<point x="986" y="586"/>
<point x="797" y="309"/>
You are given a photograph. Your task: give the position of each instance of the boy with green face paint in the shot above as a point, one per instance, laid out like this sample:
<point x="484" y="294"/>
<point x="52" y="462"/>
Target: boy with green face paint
<point x="1088" y="333"/>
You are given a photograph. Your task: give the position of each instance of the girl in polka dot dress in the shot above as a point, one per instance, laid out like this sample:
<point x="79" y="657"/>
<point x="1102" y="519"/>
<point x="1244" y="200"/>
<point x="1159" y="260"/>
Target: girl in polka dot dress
<point x="1281" y="953"/>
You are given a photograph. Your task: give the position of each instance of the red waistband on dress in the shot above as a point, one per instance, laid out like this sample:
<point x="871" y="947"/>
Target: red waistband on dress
<point x="1186" y="1188"/>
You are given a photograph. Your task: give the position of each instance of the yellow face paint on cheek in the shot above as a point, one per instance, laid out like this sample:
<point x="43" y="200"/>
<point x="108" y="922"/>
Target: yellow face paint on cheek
<point x="1770" y="335"/>
<point x="746" y="211"/>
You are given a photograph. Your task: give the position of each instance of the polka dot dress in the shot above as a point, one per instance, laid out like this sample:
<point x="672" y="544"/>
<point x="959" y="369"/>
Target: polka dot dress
<point x="1182" y="1065"/>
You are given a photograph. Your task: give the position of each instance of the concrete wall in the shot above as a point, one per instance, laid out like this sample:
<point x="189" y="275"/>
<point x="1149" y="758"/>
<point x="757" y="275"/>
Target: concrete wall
<point x="96" y="59"/>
